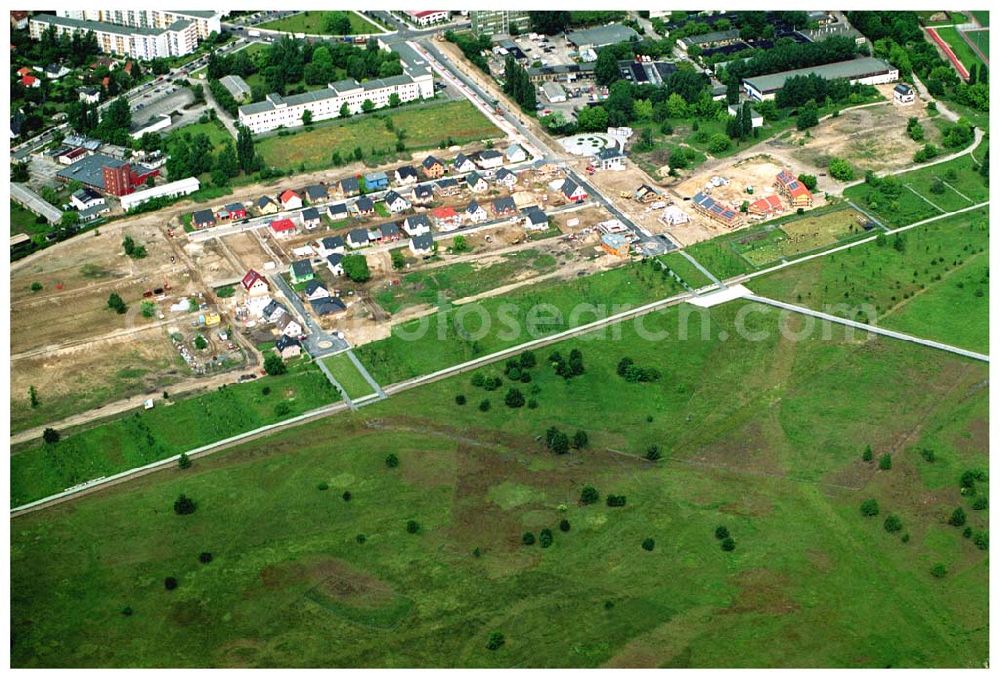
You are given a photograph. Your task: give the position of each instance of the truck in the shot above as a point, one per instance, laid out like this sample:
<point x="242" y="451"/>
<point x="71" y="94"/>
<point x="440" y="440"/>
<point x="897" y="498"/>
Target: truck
<point x="253" y="33"/>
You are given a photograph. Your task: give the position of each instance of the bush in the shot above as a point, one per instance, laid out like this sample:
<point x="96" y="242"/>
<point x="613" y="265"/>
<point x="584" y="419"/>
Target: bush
<point x="589" y="495"/>
<point x="728" y="544"/>
<point x="170" y="583"/>
<point x="721" y="532"/>
<point x="514" y="398"/>
<point x="967" y="532"/>
<point x="648" y="544"/>
<point x="564" y="525"/>
<point x="616" y="501"/>
<point x="412" y="526"/>
<point x="528" y="538"/>
<point x="980" y="504"/>
<point x="204" y="557"/>
<point x="840" y="169"/>
<point x="274" y="365"/>
<point x="808" y="181"/>
<point x="580" y="439"/>
<point x="346" y="495"/>
<point x="885" y="462"/>
<point x="494" y="641"/>
<point x="939" y="570"/>
<point x="957" y="517"/>
<point x="50" y="436"/>
<point x="928" y="455"/>
<point x="323" y="486"/>
<point x="653" y="453"/>
<point x="183" y="461"/>
<point x="484" y="405"/>
<point x="867" y="455"/>
<point x="392" y="461"/>
<point x="127" y="611"/>
<point x="184" y="505"/>
<point x="892" y="523"/>
<point x="361" y="539"/>
<point x="545" y="538"/>
<point x="460" y="400"/>
<point x="869" y="507"/>
<point x="982" y="540"/>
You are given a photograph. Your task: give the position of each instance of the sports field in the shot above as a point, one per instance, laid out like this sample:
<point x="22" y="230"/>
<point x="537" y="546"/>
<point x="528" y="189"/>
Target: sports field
<point x="981" y="39"/>
<point x="142" y="437"/>
<point x="348" y="376"/>
<point x="965" y="54"/>
<point x="314" y="23"/>
<point x="426" y="126"/>
<point x="763" y="438"/>
<point x="933" y="282"/>
<point x="924" y="192"/>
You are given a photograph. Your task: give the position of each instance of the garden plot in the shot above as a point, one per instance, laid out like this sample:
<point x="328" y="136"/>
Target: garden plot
<point x="799" y="234"/>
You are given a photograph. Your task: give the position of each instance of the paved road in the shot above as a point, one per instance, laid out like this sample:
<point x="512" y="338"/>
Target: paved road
<point x="868" y="327"/>
<point x="318" y="336"/>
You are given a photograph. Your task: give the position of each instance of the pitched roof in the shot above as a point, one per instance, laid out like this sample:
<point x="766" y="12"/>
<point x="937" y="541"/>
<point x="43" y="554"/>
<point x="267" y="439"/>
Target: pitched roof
<point x="392" y="196"/>
<point x="251" y="278"/>
<point x="422" y="191"/>
<point x="358" y="236"/>
<point x="350" y="184"/>
<point x="301" y="268"/>
<point x="283" y="225"/>
<point x="406" y="171"/>
<point x="334" y="258"/>
<point x="418" y="221"/>
<point x="286" y="342"/>
<point x="332" y="242"/>
<point x="287" y="195"/>
<point x="327" y="305"/>
<point x="444" y="212"/>
<point x="316" y="191"/>
<point x="430" y="162"/>
<point x="536" y="216"/>
<point x="312" y="286"/>
<point x="264" y="201"/>
<point x="422" y="241"/>
<point x="337" y="209"/>
<point x="568" y="187"/>
<point x="365" y="204"/>
<point x="310" y="214"/>
<point x="473" y="207"/>
<point x="473" y="179"/>
<point x="504" y="204"/>
<point x="202" y="217"/>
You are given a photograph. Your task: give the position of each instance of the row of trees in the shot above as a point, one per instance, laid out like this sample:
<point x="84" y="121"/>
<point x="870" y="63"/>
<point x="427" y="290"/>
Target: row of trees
<point x="518" y="86"/>
<point x="785" y="56"/>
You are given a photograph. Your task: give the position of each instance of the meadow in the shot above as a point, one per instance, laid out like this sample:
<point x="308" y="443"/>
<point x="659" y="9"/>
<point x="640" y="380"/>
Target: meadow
<point x="347" y="375"/>
<point x="762" y="438"/>
<point x="144" y="436"/>
<point x="314" y="23"/>
<point x="427" y="126"/>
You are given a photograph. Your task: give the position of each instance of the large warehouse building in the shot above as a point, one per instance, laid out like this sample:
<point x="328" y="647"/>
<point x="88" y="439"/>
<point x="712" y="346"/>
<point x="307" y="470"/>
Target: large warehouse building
<point x="866" y="70"/>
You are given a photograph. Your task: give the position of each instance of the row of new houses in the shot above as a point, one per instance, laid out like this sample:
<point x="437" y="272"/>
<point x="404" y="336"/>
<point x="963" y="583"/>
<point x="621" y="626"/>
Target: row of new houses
<point x="787" y="185"/>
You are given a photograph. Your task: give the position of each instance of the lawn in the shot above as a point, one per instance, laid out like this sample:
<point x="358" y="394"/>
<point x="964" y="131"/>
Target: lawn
<point x="426" y="126"/>
<point x="314" y="23"/>
<point x="439" y="286"/>
<point x="23" y="220"/>
<point x="961" y="48"/>
<point x="981" y="39"/>
<point x="763" y="438"/>
<point x="216" y="131"/>
<point x="475" y="329"/>
<point x="937" y="287"/>
<point x="142" y="436"/>
<point x="982" y="17"/>
<point x="718" y="257"/>
<point x="683" y="268"/>
<point x="963" y="187"/>
<point x="348" y="376"/>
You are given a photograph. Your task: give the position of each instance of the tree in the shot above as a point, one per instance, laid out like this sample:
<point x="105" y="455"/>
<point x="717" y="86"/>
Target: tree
<point x="653" y="453"/>
<point x="545" y="538"/>
<point x="957" y="517"/>
<point x="368" y="106"/>
<point x="892" y="523"/>
<point x="580" y="439"/>
<point x="589" y="495"/>
<point x="200" y="343"/>
<point x="484" y="405"/>
<point x="274" y="365"/>
<point x="392" y="461"/>
<point x="885" y="462"/>
<point x="495" y="640"/>
<point x="356" y="267"/>
<point x="592" y="119"/>
<point x="345" y="111"/>
<point x="307" y="117"/>
<point x="808" y="117"/>
<point x="184" y="505"/>
<point x="615" y="500"/>
<point x="564" y="525"/>
<point x="184" y="461"/>
<point x="728" y="544"/>
<point x="939" y="571"/>
<point x="648" y="544"/>
<point x="869" y="507"/>
<point x="721" y="532"/>
<point x="528" y="538"/>
<point x="204" y="557"/>
<point x="412" y="526"/>
<point x="606" y="69"/>
<point x="116" y="303"/>
<point x="170" y="583"/>
<point x="33" y="397"/>
<point x="514" y="398"/>
<point x="336" y="23"/>
<point x="840" y="169"/>
<point x="549" y="22"/>
<point x="245" y="152"/>
<point x="133" y="250"/>
<point x="50" y="436"/>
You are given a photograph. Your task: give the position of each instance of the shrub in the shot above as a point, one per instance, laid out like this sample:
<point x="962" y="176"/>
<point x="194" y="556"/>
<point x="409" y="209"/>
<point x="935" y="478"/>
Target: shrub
<point x="36" y="286"/>
<point x="885" y="462"/>
<point x="274" y="365"/>
<point x="957" y="517"/>
<point x="528" y="538"/>
<point x="184" y="505"/>
<point x="346" y="495"/>
<point x="361" y="539"/>
<point x="728" y="544"/>
<point x="184" y="461"/>
<point x="980" y="504"/>
<point x="265" y="391"/>
<point x="939" y="570"/>
<point x="514" y="398"/>
<point x="127" y="611"/>
<point x="392" y="461"/>
<point x="982" y="540"/>
<point x="460" y="400"/>
<point x="564" y="525"/>
<point x="580" y="439"/>
<point x="323" y="486"/>
<point x="841" y="169"/>
<point x="527" y="359"/>
<point x="868" y="455"/>
<point x="484" y="405"/>
<point x="589" y="495"/>
<point x="892" y="523"/>
<point x="616" y="501"/>
<point x="648" y="544"/>
<point x="545" y="538"/>
<point x="412" y="526"/>
<point x="170" y="583"/>
<point x="653" y="453"/>
<point x="204" y="557"/>
<point x="869" y="507"/>
<point x="494" y="641"/>
<point x="721" y="532"/>
<point x="967" y="532"/>
<point x="928" y="455"/>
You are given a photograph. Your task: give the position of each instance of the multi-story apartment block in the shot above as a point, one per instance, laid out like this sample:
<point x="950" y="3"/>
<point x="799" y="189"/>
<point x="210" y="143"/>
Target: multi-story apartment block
<point x="177" y="39"/>
<point x="493" y="22"/>
<point x="205" y="21"/>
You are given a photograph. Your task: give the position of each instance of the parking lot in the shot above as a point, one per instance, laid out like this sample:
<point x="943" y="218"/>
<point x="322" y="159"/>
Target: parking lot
<point x="165" y="98"/>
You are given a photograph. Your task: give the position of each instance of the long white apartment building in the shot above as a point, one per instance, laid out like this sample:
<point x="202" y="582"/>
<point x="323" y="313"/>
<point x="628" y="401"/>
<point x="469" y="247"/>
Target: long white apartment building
<point x="276" y="111"/>
<point x="205" y="21"/>
<point x="178" y="39"/>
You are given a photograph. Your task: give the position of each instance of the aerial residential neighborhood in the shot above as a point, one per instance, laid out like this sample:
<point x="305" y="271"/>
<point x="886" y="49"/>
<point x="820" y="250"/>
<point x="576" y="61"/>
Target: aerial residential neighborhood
<point x="354" y="338"/>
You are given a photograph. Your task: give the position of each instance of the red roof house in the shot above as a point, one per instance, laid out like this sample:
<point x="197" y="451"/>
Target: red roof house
<point x="30" y="81"/>
<point x="254" y="283"/>
<point x="446" y="217"/>
<point x="283" y="227"/>
<point x="290" y="200"/>
<point x="789" y="185"/>
<point x="24" y="71"/>
<point x="769" y="205"/>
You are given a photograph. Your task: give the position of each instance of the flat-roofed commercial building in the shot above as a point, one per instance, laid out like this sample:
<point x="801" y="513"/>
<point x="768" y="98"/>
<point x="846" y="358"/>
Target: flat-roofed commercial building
<point x="866" y="70"/>
<point x="176" y="40"/>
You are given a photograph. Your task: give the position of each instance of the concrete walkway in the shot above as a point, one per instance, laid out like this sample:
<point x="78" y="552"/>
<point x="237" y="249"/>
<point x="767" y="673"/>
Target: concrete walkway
<point x="868" y="327"/>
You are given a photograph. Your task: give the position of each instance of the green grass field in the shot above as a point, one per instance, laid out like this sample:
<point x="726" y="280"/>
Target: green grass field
<point x="950" y="18"/>
<point x="315" y="23"/>
<point x="762" y="437"/>
<point x="439" y="286"/>
<point x="426" y="127"/>
<point x="793" y="235"/>
<point x="936" y="288"/>
<point x="216" y="131"/>
<point x="683" y="267"/>
<point x="964" y="187"/>
<point x="982" y="17"/>
<point x="23" y="220"/>
<point x="965" y="54"/>
<point x="981" y="39"/>
<point x="467" y="331"/>
<point x="348" y="376"/>
<point x="142" y="436"/>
